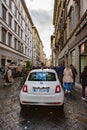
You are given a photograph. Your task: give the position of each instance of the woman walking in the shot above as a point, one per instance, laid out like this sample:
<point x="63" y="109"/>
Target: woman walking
<point x="8" y="76"/>
<point x="84" y="81"/>
<point x="67" y="79"/>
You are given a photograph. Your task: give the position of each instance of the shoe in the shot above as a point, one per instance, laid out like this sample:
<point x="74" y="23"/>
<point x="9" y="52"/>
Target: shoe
<point x="66" y="91"/>
<point x="5" y="84"/>
<point x="83" y="98"/>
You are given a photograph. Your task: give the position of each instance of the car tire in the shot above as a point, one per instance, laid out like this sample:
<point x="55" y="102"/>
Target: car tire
<point x="62" y="106"/>
<point x="22" y="106"/>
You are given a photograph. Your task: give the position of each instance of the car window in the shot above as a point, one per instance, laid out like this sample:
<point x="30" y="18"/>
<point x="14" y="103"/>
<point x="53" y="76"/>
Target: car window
<point x="42" y="76"/>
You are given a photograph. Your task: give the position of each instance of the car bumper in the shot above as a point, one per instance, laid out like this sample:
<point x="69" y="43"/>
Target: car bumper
<point x="48" y="100"/>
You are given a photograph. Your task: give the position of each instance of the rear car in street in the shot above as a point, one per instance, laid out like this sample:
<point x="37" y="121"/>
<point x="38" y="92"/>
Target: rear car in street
<point x="42" y="87"/>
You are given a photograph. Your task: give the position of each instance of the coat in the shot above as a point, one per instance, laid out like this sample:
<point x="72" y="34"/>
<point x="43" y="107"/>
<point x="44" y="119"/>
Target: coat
<point x="9" y="74"/>
<point x="67" y="76"/>
<point x="84" y="78"/>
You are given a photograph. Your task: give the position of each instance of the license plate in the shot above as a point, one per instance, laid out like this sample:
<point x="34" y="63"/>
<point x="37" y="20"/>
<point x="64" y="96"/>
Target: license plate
<point x="40" y="90"/>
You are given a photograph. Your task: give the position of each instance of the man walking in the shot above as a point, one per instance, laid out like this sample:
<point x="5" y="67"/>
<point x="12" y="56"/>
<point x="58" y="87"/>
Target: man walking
<point x="74" y="72"/>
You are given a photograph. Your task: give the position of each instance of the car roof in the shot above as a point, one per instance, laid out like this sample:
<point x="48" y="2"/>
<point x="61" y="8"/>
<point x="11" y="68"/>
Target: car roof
<point x="43" y="70"/>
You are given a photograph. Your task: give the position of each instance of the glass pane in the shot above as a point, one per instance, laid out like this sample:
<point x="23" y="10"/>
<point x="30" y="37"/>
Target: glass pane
<point x="42" y="76"/>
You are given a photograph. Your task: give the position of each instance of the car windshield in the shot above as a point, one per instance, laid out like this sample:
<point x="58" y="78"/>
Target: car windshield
<point x="42" y="76"/>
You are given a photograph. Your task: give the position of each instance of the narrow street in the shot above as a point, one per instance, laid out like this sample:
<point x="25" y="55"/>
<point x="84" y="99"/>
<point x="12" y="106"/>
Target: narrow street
<point x="74" y="116"/>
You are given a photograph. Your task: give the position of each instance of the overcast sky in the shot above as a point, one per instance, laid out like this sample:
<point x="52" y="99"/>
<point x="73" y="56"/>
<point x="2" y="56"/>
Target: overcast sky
<point x="41" y="12"/>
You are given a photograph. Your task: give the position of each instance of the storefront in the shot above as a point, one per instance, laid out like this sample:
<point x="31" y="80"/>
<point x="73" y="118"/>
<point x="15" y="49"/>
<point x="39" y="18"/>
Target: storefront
<point x="83" y="55"/>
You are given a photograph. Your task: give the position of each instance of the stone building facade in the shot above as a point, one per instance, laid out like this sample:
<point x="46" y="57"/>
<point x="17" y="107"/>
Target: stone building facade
<point x="38" y="53"/>
<point x="15" y="32"/>
<point x="70" y="22"/>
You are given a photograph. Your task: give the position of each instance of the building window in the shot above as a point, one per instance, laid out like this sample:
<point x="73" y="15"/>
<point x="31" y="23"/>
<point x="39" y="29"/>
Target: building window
<point x="25" y="27"/>
<point x="19" y="4"/>
<point x="21" y="33"/>
<point x="4" y="10"/>
<point x="26" y="50"/>
<point x="10" y="4"/>
<point x="26" y="38"/>
<point x="21" y="10"/>
<point x="15" y="26"/>
<point x="18" y="30"/>
<point x="10" y="20"/>
<point x="30" y="53"/>
<point x="4" y="35"/>
<point x="72" y="20"/>
<point x="19" y="46"/>
<point x="15" y="43"/>
<point x="21" y="21"/>
<point x="9" y="39"/>
<point x="19" y="17"/>
<point x="28" y="41"/>
<point x="5" y="1"/>
<point x="15" y="12"/>
<point x="22" y="47"/>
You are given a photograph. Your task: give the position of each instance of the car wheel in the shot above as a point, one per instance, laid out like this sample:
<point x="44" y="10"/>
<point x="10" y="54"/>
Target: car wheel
<point x="22" y="106"/>
<point x="62" y="106"/>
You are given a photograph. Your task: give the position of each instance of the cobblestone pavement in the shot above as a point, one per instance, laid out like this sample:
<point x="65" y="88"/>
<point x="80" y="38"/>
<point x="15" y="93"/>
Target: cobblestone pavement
<point x="12" y="117"/>
<point x="78" y="90"/>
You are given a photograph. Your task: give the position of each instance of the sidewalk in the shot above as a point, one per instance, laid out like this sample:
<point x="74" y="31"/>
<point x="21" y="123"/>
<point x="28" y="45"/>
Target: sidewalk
<point x="1" y="82"/>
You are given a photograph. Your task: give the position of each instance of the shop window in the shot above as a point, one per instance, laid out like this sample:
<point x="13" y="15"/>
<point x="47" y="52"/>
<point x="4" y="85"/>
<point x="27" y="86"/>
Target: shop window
<point x="83" y="48"/>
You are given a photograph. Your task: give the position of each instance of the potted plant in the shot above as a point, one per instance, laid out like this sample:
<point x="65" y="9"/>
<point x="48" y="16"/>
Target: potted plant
<point x="28" y="66"/>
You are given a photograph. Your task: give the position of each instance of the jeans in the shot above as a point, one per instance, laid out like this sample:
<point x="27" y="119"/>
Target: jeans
<point x="67" y="86"/>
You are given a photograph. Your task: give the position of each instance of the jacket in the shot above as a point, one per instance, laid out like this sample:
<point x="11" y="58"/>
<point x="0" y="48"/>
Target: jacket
<point x="68" y="76"/>
<point x="84" y="78"/>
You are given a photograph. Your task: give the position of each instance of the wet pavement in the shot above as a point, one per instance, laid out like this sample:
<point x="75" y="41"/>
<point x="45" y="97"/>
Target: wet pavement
<point x="12" y="117"/>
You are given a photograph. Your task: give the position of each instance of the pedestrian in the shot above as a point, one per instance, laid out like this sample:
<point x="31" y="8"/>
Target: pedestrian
<point x="8" y="76"/>
<point x="67" y="79"/>
<point x="0" y="73"/>
<point x="84" y="81"/>
<point x="60" y="70"/>
<point x="74" y="71"/>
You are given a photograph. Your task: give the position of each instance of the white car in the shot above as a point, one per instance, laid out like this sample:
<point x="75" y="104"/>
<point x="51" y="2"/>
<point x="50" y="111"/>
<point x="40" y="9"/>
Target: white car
<point x="42" y="87"/>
